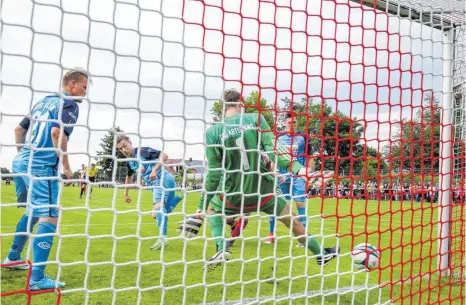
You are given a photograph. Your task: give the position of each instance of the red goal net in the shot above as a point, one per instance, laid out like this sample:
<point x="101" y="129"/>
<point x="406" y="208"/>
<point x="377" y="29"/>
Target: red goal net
<point x="367" y="88"/>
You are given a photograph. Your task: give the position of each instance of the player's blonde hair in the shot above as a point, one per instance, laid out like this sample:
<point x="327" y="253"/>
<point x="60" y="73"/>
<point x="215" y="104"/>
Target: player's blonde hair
<point x="74" y="74"/>
<point x="122" y="138"/>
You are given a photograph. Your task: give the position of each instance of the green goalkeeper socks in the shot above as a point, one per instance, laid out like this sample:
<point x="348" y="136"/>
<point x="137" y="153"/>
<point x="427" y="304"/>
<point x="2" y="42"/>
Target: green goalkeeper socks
<point x="313" y="245"/>
<point x="216" y="228"/>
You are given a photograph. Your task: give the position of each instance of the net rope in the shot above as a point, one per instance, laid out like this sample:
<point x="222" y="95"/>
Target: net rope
<point x="158" y="67"/>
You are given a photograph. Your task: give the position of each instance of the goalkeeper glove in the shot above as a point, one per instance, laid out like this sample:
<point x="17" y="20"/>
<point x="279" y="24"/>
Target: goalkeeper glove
<point x="191" y="226"/>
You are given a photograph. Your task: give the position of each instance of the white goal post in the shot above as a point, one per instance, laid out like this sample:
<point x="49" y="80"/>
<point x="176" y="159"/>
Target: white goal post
<point x="449" y="17"/>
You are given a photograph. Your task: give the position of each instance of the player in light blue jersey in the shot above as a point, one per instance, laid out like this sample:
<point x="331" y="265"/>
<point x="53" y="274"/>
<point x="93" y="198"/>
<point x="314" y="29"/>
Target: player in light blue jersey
<point x="296" y="142"/>
<point x="153" y="173"/>
<point x="41" y="138"/>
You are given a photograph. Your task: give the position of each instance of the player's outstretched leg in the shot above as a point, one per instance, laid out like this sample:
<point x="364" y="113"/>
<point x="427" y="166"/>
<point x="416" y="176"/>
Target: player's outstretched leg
<point x="160" y="213"/>
<point x="14" y="256"/>
<point x="299" y="195"/>
<point x="173" y="202"/>
<point x="325" y="255"/>
<point x="216" y="228"/>
<point x="302" y="218"/>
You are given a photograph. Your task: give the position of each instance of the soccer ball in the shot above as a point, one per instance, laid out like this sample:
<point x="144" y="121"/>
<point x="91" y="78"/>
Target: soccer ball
<point x="365" y="256"/>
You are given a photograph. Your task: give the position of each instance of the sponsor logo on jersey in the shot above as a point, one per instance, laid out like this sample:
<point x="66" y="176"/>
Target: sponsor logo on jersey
<point x="236" y="130"/>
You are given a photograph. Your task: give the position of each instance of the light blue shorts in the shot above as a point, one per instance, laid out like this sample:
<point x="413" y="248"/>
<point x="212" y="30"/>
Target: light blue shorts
<point x="297" y="188"/>
<point x="44" y="192"/>
<point x="166" y="192"/>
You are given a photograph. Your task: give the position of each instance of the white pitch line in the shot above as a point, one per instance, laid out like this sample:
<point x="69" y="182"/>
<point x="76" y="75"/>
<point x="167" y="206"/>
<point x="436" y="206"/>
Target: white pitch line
<point x="309" y="294"/>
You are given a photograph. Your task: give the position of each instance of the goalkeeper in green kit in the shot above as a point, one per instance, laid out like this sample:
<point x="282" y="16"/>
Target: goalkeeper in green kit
<point x="240" y="179"/>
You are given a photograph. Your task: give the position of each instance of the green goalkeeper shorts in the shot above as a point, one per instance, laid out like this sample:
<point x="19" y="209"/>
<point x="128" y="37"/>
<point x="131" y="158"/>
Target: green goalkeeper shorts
<point x="270" y="203"/>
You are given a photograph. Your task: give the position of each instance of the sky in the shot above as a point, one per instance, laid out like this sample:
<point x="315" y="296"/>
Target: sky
<point x="157" y="76"/>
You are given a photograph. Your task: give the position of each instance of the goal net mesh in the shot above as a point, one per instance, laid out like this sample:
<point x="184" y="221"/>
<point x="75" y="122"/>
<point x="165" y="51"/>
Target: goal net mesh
<point x="364" y="83"/>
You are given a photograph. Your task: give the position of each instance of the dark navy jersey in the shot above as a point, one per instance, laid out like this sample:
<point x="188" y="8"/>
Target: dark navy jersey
<point x="146" y="154"/>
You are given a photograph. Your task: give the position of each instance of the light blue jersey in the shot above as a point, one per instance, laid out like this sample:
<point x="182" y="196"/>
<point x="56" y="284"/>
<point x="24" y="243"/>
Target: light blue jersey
<point x="296" y="144"/>
<point x="39" y="148"/>
<point x="45" y="116"/>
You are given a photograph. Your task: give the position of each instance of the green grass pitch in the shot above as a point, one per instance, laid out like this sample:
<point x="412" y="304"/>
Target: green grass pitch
<point x="110" y="257"/>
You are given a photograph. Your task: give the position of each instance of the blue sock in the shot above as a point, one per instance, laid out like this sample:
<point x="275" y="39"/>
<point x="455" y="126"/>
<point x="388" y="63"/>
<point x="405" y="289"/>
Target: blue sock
<point x="272" y="225"/>
<point x="302" y="216"/>
<point x="171" y="204"/>
<point x="20" y="240"/>
<point x="162" y="220"/>
<point x="41" y="249"/>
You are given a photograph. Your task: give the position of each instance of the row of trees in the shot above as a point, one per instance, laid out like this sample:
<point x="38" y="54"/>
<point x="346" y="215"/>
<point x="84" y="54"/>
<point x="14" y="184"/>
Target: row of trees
<point x="414" y="146"/>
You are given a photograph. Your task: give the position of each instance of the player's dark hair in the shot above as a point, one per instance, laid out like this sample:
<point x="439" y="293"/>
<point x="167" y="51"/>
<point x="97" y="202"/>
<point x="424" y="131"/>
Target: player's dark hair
<point x="122" y="138"/>
<point x="231" y="97"/>
<point x="74" y="74"/>
<point x="288" y="115"/>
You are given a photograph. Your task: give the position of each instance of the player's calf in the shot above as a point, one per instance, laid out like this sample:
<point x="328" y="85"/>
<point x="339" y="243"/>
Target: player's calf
<point x="323" y="255"/>
<point x="160" y="214"/>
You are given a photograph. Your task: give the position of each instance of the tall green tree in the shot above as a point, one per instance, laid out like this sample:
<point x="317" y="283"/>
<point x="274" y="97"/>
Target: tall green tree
<point x="4" y="170"/>
<point x="336" y="136"/>
<point x="416" y="143"/>
<point x="107" y="164"/>
<point x="252" y="106"/>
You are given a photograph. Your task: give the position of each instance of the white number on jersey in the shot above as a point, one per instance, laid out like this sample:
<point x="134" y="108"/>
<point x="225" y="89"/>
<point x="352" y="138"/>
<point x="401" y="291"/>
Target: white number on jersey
<point x="244" y="156"/>
<point x="38" y="126"/>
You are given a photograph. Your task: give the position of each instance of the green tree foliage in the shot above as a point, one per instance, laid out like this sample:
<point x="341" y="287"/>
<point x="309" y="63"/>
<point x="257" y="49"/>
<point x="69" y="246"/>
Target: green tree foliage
<point x="334" y="134"/>
<point x="107" y="164"/>
<point x="341" y="135"/>
<point x="4" y="170"/>
<point x="416" y="143"/>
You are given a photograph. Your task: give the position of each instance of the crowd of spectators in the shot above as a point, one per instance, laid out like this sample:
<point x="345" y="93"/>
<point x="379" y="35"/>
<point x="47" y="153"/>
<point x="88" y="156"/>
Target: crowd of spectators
<point x="373" y="190"/>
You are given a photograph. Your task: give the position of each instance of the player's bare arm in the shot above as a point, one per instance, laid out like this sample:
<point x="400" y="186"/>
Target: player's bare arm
<point x="61" y="146"/>
<point x="153" y="174"/>
<point x="20" y="137"/>
<point x="128" y="180"/>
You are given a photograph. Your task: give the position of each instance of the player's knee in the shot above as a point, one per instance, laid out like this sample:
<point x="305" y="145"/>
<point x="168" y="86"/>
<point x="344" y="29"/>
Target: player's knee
<point x="300" y="204"/>
<point x="52" y="220"/>
<point x="155" y="210"/>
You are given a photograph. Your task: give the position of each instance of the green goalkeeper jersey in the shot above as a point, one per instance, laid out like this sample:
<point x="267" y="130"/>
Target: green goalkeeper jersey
<point x="235" y="150"/>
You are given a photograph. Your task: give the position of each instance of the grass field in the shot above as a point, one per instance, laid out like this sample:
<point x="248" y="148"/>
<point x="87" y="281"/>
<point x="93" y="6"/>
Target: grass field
<point x="104" y="250"/>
